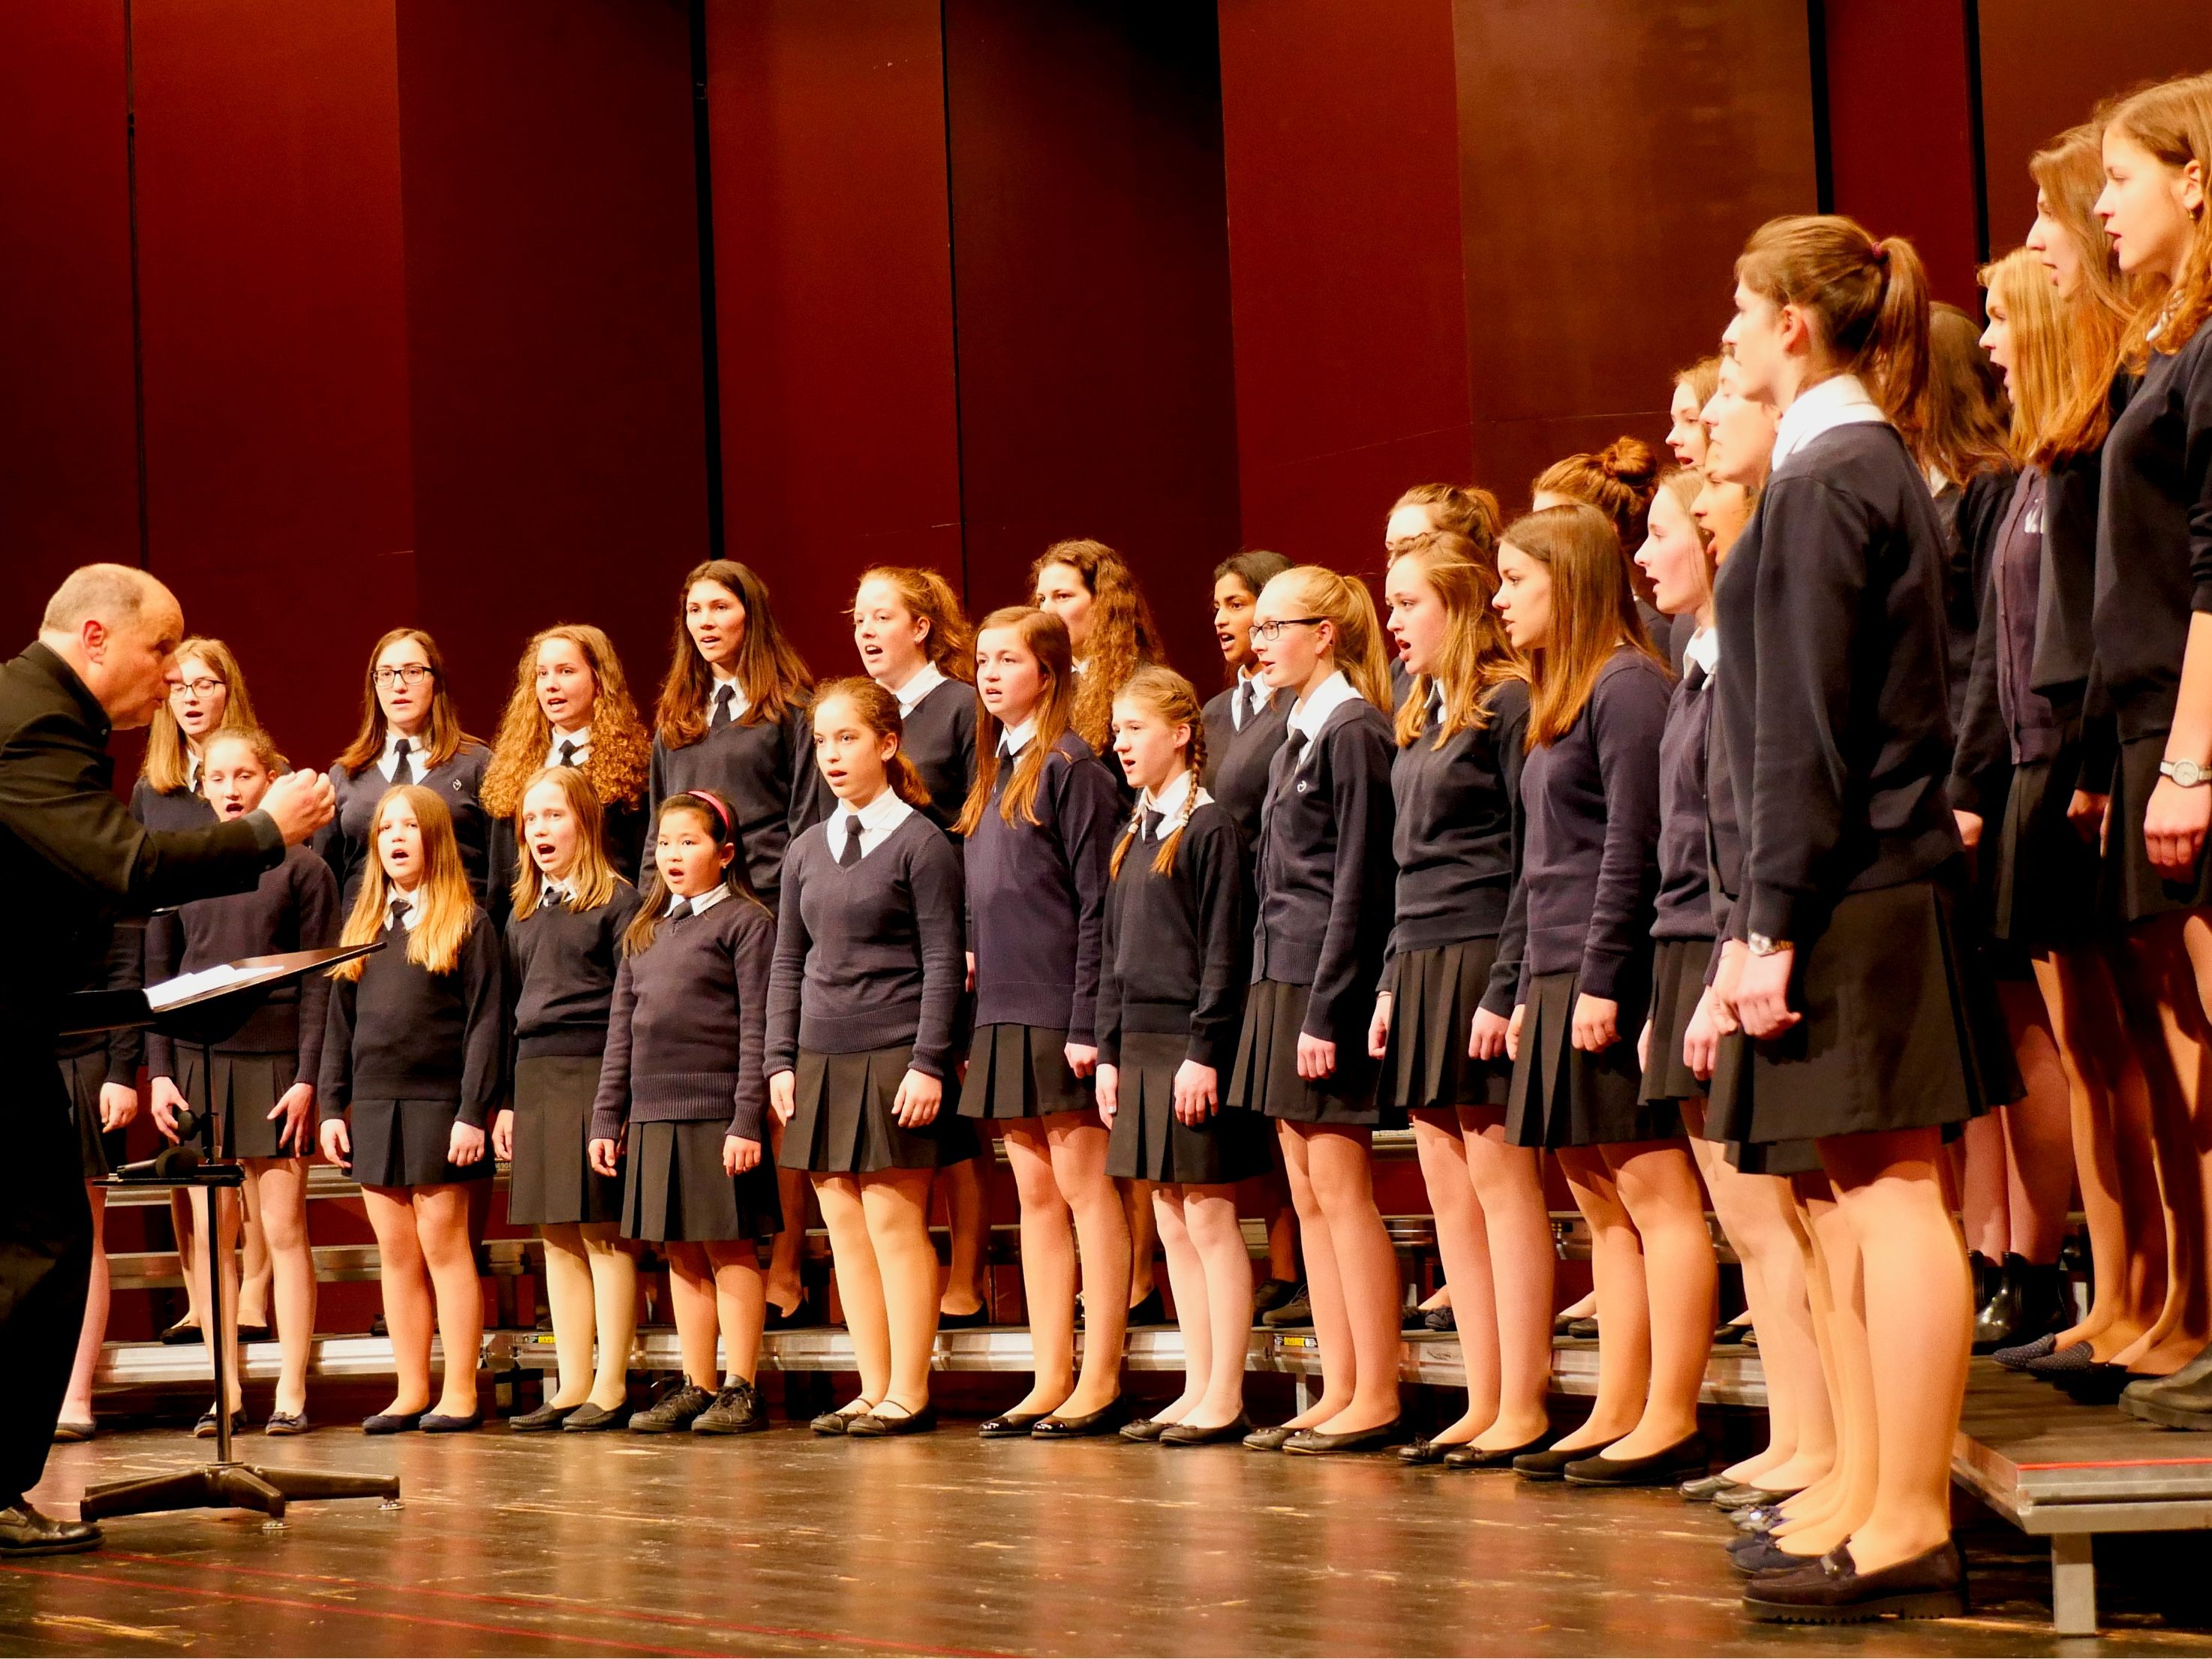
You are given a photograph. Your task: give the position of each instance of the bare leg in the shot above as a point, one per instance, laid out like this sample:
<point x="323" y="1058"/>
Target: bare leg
<point x="1076" y="1143"/>
<point x="1187" y="1279"/>
<point x="968" y="1218"/>
<point x="182" y="1214"/>
<point x="280" y="1185"/>
<point x="406" y="1282"/>
<point x="1332" y="1330"/>
<point x="614" y="1307"/>
<point x="1342" y="1171"/>
<point x="1282" y="1220"/>
<point x="1658" y="1187"/>
<point x="255" y="1273"/>
<point x="898" y="1206"/>
<point x="2038" y="1129"/>
<point x="1047" y="1267"/>
<point x="1623" y="1351"/>
<point x="441" y="1215"/>
<point x="570" y="1296"/>
<point x="740" y="1304"/>
<point x="1983" y="1186"/>
<point x="1463" y="1247"/>
<point x="860" y="1285"/>
<point x="1144" y="1241"/>
<point x="691" y="1292"/>
<point x="92" y="1335"/>
<point x="1829" y="1514"/>
<point x="1508" y="1181"/>
<point x="1209" y="1217"/>
<point x="786" y="1287"/>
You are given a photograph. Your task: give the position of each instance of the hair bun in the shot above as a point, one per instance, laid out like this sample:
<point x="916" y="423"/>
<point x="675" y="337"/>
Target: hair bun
<point x="1631" y="460"/>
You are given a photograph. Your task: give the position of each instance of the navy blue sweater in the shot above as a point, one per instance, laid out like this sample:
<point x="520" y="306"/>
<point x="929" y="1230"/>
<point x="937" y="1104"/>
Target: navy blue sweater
<point x="1237" y="761"/>
<point x="765" y="771"/>
<point x="1685" y="908"/>
<point x="1176" y="942"/>
<point x="560" y="968"/>
<point x="401" y="1032"/>
<point x="345" y="842"/>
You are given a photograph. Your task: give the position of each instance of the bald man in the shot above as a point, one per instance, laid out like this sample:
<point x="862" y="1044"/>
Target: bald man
<point x="71" y="861"/>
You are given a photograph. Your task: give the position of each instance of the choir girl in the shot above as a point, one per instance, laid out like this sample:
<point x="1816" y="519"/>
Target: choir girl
<point x="1618" y="481"/>
<point x="570" y="706"/>
<point x="1686" y="404"/>
<point x="731" y="719"/>
<point x="1599" y="695"/>
<point x="1838" y="738"/>
<point x="914" y="642"/>
<point x="863" y="1012"/>
<point x="410" y="734"/>
<point x="412" y="1054"/>
<point x="569" y="909"/>
<point x="1468" y="511"/>
<point x="1448" y="986"/>
<point x="2153" y="618"/>
<point x="1039" y="824"/>
<point x="682" y="1093"/>
<point x="1170" y="1002"/>
<point x="1322" y="924"/>
<point x="256" y="1087"/>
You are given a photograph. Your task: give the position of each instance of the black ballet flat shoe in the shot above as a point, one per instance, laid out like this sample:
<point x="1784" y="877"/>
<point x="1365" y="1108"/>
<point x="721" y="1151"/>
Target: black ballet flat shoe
<point x="1269" y="1439"/>
<point x="1660" y="1469"/>
<point x="544" y="1421"/>
<point x="1833" y="1591"/>
<point x="1144" y="1428"/>
<point x="974" y="1319"/>
<point x="1182" y="1434"/>
<point x="67" y="1433"/>
<point x="1012" y="1426"/>
<point x="1418" y="1451"/>
<point x="26" y="1532"/>
<point x="1502" y="1457"/>
<point x="804" y="1316"/>
<point x="588" y="1418"/>
<point x="1550" y="1463"/>
<point x="1312" y="1443"/>
<point x="1439" y="1319"/>
<point x="1105" y="1420"/>
<point x="876" y="1427"/>
<point x="392" y="1423"/>
<point x="183" y="1333"/>
<point x="737" y="1409"/>
<point x="1734" y="1497"/>
<point x="841" y="1420"/>
<point x="451" y="1422"/>
<point x="254" y="1333"/>
<point x="204" y="1428"/>
<point x="1583" y="1330"/>
<point x="2016" y="1360"/>
<point x="1762" y="1558"/>
<point x="1152" y="1310"/>
<point x="281" y="1423"/>
<point x="1701" y="1490"/>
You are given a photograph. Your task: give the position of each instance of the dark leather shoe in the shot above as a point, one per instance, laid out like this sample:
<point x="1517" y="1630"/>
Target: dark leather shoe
<point x="1152" y="1310"/>
<point x="876" y="1427"/>
<point x="737" y="1410"/>
<point x="1144" y="1428"/>
<point x="1474" y="1457"/>
<point x="588" y="1418"/>
<point x="974" y="1319"/>
<point x="2097" y="1384"/>
<point x="2029" y="1300"/>
<point x="544" y="1421"/>
<point x="1733" y="1498"/>
<point x="1295" y="1313"/>
<point x="1833" y="1591"/>
<point x="672" y="1410"/>
<point x="1757" y="1558"/>
<point x="804" y="1316"/>
<point x="253" y="1333"/>
<point x="1730" y="1335"/>
<point x="1013" y="1425"/>
<point x="841" y="1420"/>
<point x="1105" y="1420"/>
<point x="204" y="1428"/>
<point x="180" y="1334"/>
<point x="283" y="1423"/>
<point x="1270" y="1438"/>
<point x="1312" y="1443"/>
<point x="446" y="1423"/>
<point x="392" y="1423"/>
<point x="1660" y="1469"/>
<point x="1426" y="1451"/>
<point x="1701" y="1490"/>
<point x="2183" y="1400"/>
<point x="1583" y="1330"/>
<point x="1759" y="1517"/>
<point x="25" y="1531"/>
<point x="1182" y="1434"/>
<point x="1549" y="1464"/>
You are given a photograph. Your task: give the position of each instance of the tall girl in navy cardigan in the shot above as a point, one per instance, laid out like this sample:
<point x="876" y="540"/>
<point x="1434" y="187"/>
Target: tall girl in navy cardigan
<point x="1588" y="877"/>
<point x="412" y="1053"/>
<point x="1324" y="911"/>
<point x="681" y="1088"/>
<point x="1039" y="825"/>
<point x="1448" y="988"/>
<point x="1170" y="1000"/>
<point x="563" y="947"/>
<point x="731" y="719"/>
<point x="864" y="1007"/>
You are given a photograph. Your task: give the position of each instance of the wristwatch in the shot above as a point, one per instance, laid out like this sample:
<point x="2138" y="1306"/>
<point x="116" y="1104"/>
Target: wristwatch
<point x="1759" y="945"/>
<point x="2186" y="774"/>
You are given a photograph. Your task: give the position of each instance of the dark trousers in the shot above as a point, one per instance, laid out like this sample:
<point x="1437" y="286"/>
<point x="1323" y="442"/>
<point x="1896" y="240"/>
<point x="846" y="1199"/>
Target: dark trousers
<point x="45" y="1260"/>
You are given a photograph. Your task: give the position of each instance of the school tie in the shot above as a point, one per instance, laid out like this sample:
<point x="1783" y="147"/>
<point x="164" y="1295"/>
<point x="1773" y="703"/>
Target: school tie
<point x="400" y="908"/>
<point x="1247" y="703"/>
<point x="1151" y="825"/>
<point x="567" y="755"/>
<point x="725" y="697"/>
<point x="404" y="770"/>
<point x="1293" y="752"/>
<point x="1694" y="680"/>
<point x="678" y="910"/>
<point x="849" y="853"/>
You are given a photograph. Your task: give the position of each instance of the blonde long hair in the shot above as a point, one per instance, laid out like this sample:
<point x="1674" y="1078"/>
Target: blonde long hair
<point x="1476" y="655"/>
<point x="928" y="598"/>
<point x="1123" y="637"/>
<point x="2070" y="171"/>
<point x="1344" y="601"/>
<point x="2041" y="365"/>
<point x="622" y="749"/>
<point x="448" y="907"/>
<point x="1593" y="612"/>
<point x="1044" y="637"/>
<point x="591" y="878"/>
<point x="1169" y="698"/>
<point x="168" y="752"/>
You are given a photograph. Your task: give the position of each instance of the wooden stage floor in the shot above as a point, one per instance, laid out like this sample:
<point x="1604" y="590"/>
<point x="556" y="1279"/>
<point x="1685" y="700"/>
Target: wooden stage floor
<point x="783" y="1543"/>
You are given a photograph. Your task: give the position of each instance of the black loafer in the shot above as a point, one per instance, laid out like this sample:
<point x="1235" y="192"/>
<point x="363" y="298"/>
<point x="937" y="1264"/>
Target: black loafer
<point x="1703" y="1489"/>
<point x="1271" y="1438"/>
<point x="876" y="1426"/>
<point x="1144" y="1428"/>
<point x="1660" y="1469"/>
<point x="25" y="1531"/>
<point x="1733" y="1498"/>
<point x="1182" y="1434"/>
<point x="1418" y="1451"/>
<point x="1312" y="1443"/>
<point x="448" y="1423"/>
<point x="392" y="1423"/>
<point x="588" y="1418"/>
<point x="544" y="1421"/>
<point x="1833" y="1591"/>
<point x="285" y="1423"/>
<point x="1106" y="1419"/>
<point x="1013" y="1425"/>
<point x="253" y="1333"/>
<point x="804" y="1316"/>
<point x="1503" y="1457"/>
<point x="1761" y="1558"/>
<point x="1550" y="1464"/>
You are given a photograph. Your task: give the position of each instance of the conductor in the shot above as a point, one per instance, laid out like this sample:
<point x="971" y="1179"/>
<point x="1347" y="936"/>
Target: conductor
<point x="71" y="860"/>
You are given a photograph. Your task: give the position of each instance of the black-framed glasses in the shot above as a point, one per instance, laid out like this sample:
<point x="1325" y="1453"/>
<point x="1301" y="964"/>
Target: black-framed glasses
<point x="413" y="674"/>
<point x="1268" y="632"/>
<point x="206" y="688"/>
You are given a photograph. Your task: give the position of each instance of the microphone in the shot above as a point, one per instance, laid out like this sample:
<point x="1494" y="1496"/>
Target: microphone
<point x="170" y="1164"/>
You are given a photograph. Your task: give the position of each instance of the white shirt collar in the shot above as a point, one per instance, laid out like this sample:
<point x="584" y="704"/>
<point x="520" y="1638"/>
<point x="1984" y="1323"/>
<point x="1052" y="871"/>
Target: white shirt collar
<point x="1013" y="739"/>
<point x="739" y="702"/>
<point x="1169" y="802"/>
<point x="1323" y="701"/>
<point x="1704" y="649"/>
<point x="878" y="819"/>
<point x="924" y="680"/>
<point x="413" y="902"/>
<point x="582" y="740"/>
<point x="706" y="901"/>
<point x="394" y="744"/>
<point x="1840" y="400"/>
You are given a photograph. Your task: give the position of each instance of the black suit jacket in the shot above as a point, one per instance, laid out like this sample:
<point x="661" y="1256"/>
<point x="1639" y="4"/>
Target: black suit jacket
<point x="72" y="858"/>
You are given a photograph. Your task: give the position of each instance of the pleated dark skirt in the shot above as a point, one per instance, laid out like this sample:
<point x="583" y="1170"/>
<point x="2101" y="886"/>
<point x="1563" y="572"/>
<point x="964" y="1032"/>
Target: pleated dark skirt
<point x="2134" y="891"/>
<point x="1562" y="1096"/>
<point x="675" y="1191"/>
<point x="1730" y="1096"/>
<point x="843" y="1122"/>
<point x="1678" y="983"/>
<point x="552" y="1181"/>
<point x="83" y="1076"/>
<point x="402" y="1143"/>
<point x="1151" y="1143"/>
<point x="1266" y="1077"/>
<point x="1899" y="1029"/>
<point x="246" y="1090"/>
<point x="1426" y="1068"/>
<point x="2044" y="880"/>
<point x="1021" y="1071"/>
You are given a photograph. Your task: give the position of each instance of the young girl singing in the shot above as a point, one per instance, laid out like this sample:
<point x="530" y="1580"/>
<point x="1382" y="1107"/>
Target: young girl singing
<point x="564" y="937"/>
<point x="1039" y="825"/>
<point x="1170" y="1003"/>
<point x="1324" y="896"/>
<point x="1243" y="725"/>
<point x="259" y="1084"/>
<point x="869" y="948"/>
<point x="681" y="1090"/>
<point x="410" y="1072"/>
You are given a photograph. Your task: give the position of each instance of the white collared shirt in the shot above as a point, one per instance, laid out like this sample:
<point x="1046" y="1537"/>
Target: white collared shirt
<point x="1704" y="649"/>
<point x="393" y="743"/>
<point x="1323" y="701"/>
<point x="1015" y="739"/>
<point x="739" y="702"/>
<point x="191" y="773"/>
<point x="1250" y="685"/>
<point x="1840" y="400"/>
<point x="1169" y="801"/>
<point x="923" y="681"/>
<point x="706" y="901"/>
<point x="582" y="741"/>
<point x="413" y="902"/>
<point x="878" y="819"/>
<point x="551" y="891"/>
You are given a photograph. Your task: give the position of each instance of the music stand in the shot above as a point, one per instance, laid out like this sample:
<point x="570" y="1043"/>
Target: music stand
<point x="207" y="1018"/>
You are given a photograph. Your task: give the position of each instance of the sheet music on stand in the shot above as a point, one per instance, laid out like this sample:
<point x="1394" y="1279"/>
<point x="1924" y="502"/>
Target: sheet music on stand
<point x="230" y="988"/>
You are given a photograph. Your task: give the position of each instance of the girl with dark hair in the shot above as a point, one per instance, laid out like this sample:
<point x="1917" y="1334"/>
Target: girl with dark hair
<point x="1619" y="481"/>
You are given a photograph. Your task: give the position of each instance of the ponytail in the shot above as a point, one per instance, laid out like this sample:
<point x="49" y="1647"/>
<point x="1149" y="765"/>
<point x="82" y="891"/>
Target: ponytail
<point x="1868" y="302"/>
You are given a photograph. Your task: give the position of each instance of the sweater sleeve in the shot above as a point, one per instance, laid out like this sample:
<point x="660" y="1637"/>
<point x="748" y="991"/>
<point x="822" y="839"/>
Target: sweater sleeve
<point x="935" y="875"/>
<point x="1088" y="813"/>
<point x="483" y="1040"/>
<point x="810" y="794"/>
<point x="787" y="978"/>
<point x="329" y="842"/>
<point x="2196" y="476"/>
<point x="164" y="950"/>
<point x="1628" y="716"/>
<point x="1365" y="878"/>
<point x="1223" y="933"/>
<point x="1984" y="747"/>
<point x="610" y="1105"/>
<point x="334" y="1086"/>
<point x="1505" y="988"/>
<point x="315" y="897"/>
<point x="1107" y="1024"/>
<point x="754" y="952"/>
